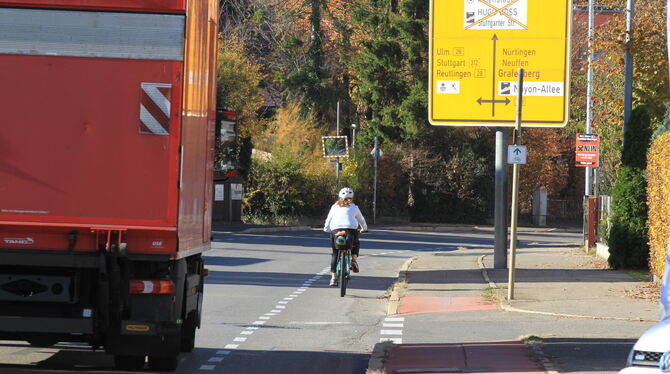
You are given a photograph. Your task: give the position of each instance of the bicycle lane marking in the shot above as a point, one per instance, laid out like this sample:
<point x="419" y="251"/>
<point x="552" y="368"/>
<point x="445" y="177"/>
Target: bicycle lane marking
<point x="280" y="306"/>
<point x="259" y="322"/>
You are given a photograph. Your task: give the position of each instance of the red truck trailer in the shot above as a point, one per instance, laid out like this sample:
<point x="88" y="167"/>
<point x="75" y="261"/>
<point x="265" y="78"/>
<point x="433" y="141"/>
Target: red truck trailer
<point x="107" y="111"/>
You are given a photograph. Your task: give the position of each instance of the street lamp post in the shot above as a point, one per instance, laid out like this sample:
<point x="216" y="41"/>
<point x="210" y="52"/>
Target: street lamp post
<point x="353" y="135"/>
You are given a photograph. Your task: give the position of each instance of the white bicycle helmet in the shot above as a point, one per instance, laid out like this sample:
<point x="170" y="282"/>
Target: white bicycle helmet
<point x="346" y="193"/>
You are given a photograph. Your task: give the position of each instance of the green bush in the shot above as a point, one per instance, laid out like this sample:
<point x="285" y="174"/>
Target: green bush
<point x="628" y="238"/>
<point x="628" y="235"/>
<point x="282" y="191"/>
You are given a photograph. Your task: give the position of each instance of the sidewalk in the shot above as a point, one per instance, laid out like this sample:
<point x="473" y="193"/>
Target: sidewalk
<point x="586" y="315"/>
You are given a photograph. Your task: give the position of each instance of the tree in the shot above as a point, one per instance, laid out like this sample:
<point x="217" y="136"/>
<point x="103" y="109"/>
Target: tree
<point x="628" y="239"/>
<point x="238" y="90"/>
<point x="391" y="66"/>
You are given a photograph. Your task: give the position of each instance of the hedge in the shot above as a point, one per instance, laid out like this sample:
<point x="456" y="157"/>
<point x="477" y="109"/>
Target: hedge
<point x="658" y="200"/>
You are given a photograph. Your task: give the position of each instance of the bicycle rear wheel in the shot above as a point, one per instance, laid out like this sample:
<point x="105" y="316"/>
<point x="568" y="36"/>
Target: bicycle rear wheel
<point x="343" y="274"/>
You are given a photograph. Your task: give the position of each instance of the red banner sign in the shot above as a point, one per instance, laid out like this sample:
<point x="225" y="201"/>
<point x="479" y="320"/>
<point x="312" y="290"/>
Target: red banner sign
<point x="587" y="149"/>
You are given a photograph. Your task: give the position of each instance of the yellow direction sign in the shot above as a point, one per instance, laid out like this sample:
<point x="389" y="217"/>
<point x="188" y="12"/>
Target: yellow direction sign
<point x="476" y="50"/>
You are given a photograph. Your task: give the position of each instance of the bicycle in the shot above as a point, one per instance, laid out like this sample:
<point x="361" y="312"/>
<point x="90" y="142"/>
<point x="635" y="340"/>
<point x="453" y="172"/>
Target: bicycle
<point x="343" y="243"/>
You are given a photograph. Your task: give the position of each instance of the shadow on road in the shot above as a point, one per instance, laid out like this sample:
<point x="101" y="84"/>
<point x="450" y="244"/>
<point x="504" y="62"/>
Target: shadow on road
<point x="587" y="354"/>
<point x="67" y="359"/>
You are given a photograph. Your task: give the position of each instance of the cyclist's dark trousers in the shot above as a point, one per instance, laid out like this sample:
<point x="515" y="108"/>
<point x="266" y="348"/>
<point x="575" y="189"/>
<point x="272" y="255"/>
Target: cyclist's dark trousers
<point x="356" y="244"/>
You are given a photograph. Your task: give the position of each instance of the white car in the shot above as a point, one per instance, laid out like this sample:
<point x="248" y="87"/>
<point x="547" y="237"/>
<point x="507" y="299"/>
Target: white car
<point x="651" y="353"/>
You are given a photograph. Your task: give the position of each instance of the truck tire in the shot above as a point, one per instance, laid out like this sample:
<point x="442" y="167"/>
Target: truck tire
<point x="123" y="362"/>
<point x="163" y="363"/>
<point x="188" y="332"/>
<point x="42" y="341"/>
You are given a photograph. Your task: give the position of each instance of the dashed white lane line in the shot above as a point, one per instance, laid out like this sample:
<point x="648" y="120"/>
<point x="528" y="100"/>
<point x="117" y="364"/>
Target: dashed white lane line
<point x="394" y="319"/>
<point x="262" y="320"/>
<point x="392" y="325"/>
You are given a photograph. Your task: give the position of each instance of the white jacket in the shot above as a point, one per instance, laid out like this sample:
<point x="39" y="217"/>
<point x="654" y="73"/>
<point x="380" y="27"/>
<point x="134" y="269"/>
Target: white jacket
<point x="344" y="217"/>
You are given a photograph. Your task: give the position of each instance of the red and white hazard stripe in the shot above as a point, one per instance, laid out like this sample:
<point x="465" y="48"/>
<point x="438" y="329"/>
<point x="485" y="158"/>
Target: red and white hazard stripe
<point x="155" y="108"/>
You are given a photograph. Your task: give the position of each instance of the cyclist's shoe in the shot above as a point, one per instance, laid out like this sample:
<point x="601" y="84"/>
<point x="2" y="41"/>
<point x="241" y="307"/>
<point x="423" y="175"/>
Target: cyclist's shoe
<point x="354" y="266"/>
<point x="333" y="282"/>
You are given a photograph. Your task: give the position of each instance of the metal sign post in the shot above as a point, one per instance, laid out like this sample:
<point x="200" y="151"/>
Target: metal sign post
<point x="376" y="154"/>
<point x="515" y="192"/>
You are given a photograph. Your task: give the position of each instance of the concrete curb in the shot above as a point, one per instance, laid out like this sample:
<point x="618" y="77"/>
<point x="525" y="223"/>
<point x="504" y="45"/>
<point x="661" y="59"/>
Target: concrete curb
<point x="506" y="306"/>
<point x="377" y="357"/>
<point x="256" y="230"/>
<point x="447" y="228"/>
<point x="394" y="299"/>
<point x="544" y="360"/>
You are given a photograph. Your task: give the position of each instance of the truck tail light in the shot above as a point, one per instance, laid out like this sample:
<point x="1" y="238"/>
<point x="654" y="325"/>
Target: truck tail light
<point x="154" y="287"/>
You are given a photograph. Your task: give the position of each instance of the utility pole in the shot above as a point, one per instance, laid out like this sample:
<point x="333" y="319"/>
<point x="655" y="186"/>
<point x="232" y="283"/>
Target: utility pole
<point x="375" y="156"/>
<point x="589" y="97"/>
<point x="337" y="164"/>
<point x="628" y="84"/>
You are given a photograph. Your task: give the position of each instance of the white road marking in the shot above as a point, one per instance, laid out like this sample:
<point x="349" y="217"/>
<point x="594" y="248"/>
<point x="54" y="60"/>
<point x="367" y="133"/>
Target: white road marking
<point x="225" y="352"/>
<point x="240" y="339"/>
<point x="318" y="323"/>
<point x="247" y="332"/>
<point x="391" y="332"/>
<point x="394" y="319"/>
<point x="264" y="317"/>
<point x="259" y="322"/>
<point x="251" y="328"/>
<point x="392" y="325"/>
<point x="207" y="367"/>
<point x="283" y="302"/>
<point x="231" y="346"/>
<point x="288" y="298"/>
<point x="280" y="306"/>
<point x="276" y="311"/>
<point x="270" y="314"/>
<point x="215" y="359"/>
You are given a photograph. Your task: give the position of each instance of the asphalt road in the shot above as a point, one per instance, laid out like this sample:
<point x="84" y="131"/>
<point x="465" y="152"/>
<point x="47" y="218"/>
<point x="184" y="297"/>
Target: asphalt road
<point x="268" y="307"/>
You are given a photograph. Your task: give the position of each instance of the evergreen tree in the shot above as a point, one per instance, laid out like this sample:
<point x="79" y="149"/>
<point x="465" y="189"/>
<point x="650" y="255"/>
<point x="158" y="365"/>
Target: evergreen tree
<point x="310" y="79"/>
<point x="392" y="66"/>
<point x="628" y="240"/>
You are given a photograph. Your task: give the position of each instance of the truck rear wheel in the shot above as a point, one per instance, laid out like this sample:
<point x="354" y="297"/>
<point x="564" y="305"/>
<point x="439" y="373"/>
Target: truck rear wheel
<point x="188" y="332"/>
<point x="163" y="363"/>
<point x="42" y="341"/>
<point x="123" y="362"/>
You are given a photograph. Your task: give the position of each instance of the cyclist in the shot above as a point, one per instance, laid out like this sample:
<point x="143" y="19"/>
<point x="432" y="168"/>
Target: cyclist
<point x="344" y="214"/>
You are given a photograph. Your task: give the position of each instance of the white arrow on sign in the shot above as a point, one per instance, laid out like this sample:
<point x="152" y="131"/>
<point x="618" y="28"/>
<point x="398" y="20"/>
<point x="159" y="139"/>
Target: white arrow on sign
<point x="377" y="154"/>
<point x="516" y="154"/>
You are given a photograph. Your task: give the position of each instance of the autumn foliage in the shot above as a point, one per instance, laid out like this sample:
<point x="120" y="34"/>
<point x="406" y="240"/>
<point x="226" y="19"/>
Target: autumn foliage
<point x="658" y="172"/>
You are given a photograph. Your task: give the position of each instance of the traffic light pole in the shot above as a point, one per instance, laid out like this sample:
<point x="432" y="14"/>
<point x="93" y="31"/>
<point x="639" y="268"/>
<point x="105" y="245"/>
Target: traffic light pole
<point x="515" y="192"/>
